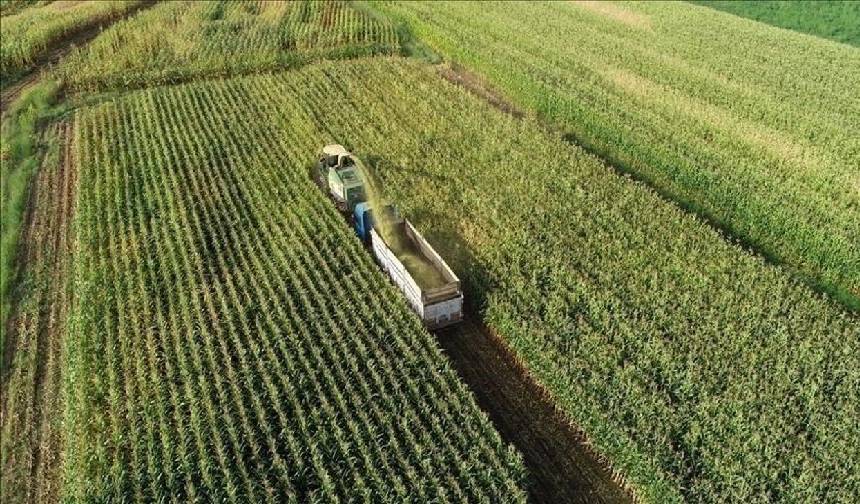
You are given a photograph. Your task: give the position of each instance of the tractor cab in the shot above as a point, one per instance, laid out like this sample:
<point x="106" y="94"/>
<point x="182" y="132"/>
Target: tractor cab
<point x="335" y="156"/>
<point x="338" y="174"/>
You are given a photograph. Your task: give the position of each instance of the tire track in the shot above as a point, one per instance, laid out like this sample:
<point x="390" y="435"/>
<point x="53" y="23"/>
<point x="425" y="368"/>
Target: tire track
<point x="32" y="396"/>
<point x="562" y="466"/>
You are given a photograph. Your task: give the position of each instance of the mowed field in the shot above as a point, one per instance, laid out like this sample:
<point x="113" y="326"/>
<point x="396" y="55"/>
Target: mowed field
<point x="747" y="125"/>
<point x="194" y="321"/>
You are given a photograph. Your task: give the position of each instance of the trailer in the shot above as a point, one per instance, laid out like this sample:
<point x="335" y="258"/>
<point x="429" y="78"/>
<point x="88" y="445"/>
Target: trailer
<point x="438" y="305"/>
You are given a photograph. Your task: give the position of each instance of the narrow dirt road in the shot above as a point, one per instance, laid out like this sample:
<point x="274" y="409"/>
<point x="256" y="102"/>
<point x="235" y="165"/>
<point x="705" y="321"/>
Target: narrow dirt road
<point x="32" y="379"/>
<point x="562" y="468"/>
<point x="75" y="39"/>
<point x="11" y="93"/>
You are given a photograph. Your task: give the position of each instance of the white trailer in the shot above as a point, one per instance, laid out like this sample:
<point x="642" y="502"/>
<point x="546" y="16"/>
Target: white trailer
<point x="437" y="307"/>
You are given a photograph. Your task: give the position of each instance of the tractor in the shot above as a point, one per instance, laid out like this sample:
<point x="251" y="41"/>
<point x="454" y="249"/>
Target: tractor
<point x="337" y="174"/>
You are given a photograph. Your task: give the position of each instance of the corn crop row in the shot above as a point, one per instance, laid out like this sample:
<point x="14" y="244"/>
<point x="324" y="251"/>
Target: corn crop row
<point x="753" y="127"/>
<point x="178" y="41"/>
<point x="248" y="349"/>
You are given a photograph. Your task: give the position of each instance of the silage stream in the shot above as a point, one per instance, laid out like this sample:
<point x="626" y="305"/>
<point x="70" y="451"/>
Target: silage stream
<point x="394" y="233"/>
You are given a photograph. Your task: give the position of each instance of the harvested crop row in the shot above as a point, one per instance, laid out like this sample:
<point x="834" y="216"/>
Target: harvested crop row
<point x="178" y="41"/>
<point x="753" y="127"/>
<point x="29" y="34"/>
<point x="249" y="350"/>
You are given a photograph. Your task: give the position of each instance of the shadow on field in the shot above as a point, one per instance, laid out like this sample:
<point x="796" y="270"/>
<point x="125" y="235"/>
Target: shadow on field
<point x="561" y="466"/>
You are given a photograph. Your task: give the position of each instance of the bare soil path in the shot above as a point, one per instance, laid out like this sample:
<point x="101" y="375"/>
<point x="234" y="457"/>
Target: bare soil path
<point x="562" y="467"/>
<point x="457" y="74"/>
<point x="32" y="399"/>
<point x="11" y="93"/>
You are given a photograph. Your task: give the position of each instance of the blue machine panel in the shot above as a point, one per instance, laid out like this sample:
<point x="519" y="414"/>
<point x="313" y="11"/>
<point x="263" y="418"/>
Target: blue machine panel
<point x="363" y="220"/>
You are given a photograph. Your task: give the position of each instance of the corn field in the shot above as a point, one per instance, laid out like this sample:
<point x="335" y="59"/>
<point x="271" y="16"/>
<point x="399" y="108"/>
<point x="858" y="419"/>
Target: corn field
<point x="177" y="41"/>
<point x="247" y="348"/>
<point x="10" y="7"/>
<point x="28" y="34"/>
<point x="626" y="308"/>
<point x="752" y="127"/>
<point x="663" y="233"/>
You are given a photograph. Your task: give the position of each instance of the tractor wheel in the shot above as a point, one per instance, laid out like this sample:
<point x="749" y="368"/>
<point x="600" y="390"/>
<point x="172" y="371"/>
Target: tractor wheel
<point x="318" y="178"/>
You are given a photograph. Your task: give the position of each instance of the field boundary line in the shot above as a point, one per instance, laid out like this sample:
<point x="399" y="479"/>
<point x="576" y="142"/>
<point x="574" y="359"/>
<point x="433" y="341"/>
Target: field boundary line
<point x="37" y="324"/>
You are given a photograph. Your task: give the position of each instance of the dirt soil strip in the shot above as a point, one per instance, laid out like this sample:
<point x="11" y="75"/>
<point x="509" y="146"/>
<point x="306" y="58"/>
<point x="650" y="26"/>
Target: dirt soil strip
<point x="75" y="38"/>
<point x="32" y="402"/>
<point x="46" y="471"/>
<point x="11" y="93"/>
<point x="562" y="466"/>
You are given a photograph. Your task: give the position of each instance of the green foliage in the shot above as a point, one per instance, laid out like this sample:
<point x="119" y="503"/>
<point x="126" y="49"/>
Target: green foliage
<point x="247" y="347"/>
<point x="832" y="19"/>
<point x="178" y="41"/>
<point x="703" y="373"/>
<point x="32" y="32"/>
<point x="9" y="7"/>
<point x="20" y="153"/>
<point x="764" y="144"/>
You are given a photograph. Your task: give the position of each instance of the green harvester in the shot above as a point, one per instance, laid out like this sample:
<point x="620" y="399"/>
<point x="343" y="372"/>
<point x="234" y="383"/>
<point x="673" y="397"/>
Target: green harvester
<point x="337" y="174"/>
